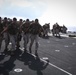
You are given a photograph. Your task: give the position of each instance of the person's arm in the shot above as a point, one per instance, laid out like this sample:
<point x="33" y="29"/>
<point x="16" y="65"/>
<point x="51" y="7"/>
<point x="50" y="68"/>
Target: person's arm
<point x="5" y="29"/>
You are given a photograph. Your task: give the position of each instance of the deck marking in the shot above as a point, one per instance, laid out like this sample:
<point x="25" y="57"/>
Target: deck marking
<point x="73" y="43"/>
<point x="54" y="66"/>
<point x="57" y="50"/>
<point x="66" y="46"/>
<point x="18" y="70"/>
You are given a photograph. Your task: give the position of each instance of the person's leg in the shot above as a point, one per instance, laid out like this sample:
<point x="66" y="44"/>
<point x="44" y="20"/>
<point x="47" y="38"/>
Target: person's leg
<point x="36" y="44"/>
<point x="25" y="42"/>
<point x="18" y="41"/>
<point x="32" y="38"/>
<point x="12" y="39"/>
<point x="6" y="41"/>
<point x="28" y="36"/>
<point x="0" y="41"/>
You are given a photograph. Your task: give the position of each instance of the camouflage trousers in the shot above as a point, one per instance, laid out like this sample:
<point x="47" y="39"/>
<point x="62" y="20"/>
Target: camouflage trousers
<point x="26" y="40"/>
<point x="32" y="39"/>
<point x="6" y="38"/>
<point x="1" y="38"/>
<point x="13" y="40"/>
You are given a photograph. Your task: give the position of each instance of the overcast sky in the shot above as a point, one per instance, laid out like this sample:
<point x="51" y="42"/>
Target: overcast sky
<point x="47" y="11"/>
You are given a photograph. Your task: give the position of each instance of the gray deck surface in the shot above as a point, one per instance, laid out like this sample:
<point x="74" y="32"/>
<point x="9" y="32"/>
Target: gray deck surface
<point x="61" y="53"/>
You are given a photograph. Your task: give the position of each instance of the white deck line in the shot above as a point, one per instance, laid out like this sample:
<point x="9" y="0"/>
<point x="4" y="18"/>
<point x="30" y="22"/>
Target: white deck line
<point x="55" y="66"/>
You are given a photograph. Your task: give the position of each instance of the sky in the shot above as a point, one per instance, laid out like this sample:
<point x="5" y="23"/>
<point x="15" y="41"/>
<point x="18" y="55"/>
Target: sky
<point x="47" y="11"/>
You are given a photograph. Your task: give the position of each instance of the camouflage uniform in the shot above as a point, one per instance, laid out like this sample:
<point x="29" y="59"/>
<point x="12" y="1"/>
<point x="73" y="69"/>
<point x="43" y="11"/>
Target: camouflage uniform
<point x="34" y="31"/>
<point x="1" y="36"/>
<point x="13" y="30"/>
<point x="26" y="35"/>
<point x="6" y="35"/>
<point x="19" y="35"/>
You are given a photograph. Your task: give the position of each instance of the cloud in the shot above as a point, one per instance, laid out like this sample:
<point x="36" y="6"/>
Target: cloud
<point x="1" y="3"/>
<point x="61" y="12"/>
<point x="20" y="3"/>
